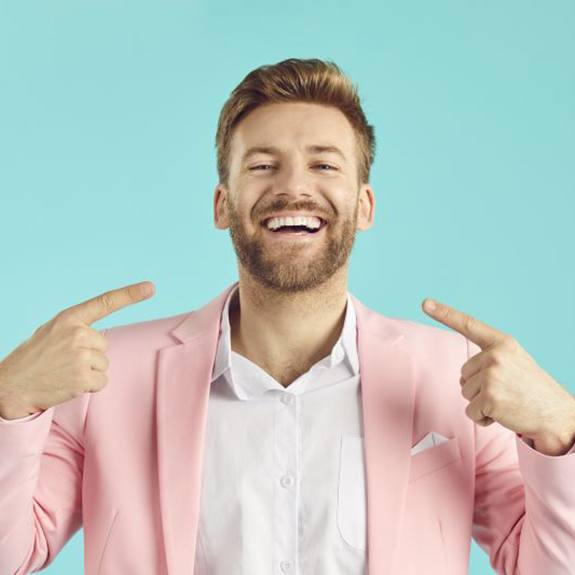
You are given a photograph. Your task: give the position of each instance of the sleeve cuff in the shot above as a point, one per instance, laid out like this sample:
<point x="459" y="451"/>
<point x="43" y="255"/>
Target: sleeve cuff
<point x="20" y="419"/>
<point x="529" y="443"/>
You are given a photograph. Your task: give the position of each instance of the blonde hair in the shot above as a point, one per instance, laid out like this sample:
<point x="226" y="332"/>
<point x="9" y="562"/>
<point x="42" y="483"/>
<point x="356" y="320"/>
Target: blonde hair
<point x="295" y="80"/>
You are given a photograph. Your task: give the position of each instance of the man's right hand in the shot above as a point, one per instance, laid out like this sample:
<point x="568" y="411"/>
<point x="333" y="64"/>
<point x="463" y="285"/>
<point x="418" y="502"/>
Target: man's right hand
<point x="64" y="358"/>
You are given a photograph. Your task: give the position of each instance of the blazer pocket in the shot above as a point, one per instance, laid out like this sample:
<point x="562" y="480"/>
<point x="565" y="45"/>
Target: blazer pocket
<point x="433" y="459"/>
<point x="351" y="500"/>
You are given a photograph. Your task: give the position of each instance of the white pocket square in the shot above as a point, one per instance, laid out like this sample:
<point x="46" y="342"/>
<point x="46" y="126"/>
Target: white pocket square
<point x="431" y="439"/>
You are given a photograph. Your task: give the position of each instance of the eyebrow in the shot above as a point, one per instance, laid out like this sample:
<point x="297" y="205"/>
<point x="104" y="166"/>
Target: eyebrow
<point x="314" y="149"/>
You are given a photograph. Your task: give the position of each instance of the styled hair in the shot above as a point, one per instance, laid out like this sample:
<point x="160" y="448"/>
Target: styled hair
<point x="295" y="80"/>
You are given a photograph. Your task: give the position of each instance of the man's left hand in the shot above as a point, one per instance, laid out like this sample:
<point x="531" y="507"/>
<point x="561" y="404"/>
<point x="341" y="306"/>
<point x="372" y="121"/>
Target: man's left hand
<point x="504" y="383"/>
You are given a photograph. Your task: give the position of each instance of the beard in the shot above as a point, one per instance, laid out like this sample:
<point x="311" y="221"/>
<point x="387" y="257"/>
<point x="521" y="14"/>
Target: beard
<point x="289" y="269"/>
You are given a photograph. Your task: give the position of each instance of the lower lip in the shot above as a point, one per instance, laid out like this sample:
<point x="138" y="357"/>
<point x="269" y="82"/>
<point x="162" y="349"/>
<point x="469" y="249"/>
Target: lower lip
<point x="295" y="236"/>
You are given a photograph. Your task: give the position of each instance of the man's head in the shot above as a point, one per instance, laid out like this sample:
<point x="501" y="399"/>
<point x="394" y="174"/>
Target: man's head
<point x="273" y="160"/>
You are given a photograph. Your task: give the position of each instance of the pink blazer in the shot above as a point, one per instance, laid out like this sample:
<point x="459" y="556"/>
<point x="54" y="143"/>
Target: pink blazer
<point x="125" y="462"/>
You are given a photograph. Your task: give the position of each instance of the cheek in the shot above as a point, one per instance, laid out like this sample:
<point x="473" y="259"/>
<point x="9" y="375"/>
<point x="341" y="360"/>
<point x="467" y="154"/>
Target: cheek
<point x="347" y="211"/>
<point x="236" y="208"/>
<point x="242" y="216"/>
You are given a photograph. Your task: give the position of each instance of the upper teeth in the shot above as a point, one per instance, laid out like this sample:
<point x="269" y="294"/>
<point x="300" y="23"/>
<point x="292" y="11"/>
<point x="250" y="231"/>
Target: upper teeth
<point x="310" y="222"/>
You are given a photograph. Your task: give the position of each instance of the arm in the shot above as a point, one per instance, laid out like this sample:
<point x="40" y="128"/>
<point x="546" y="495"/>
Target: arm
<point x="53" y="373"/>
<point x="41" y="463"/>
<point x="524" y="515"/>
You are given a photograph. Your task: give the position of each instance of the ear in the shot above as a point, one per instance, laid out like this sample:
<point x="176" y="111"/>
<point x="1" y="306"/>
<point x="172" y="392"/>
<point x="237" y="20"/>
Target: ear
<point x="366" y="208"/>
<point x="220" y="207"/>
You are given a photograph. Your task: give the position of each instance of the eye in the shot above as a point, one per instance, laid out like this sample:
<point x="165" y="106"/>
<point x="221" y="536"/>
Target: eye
<point x="261" y="166"/>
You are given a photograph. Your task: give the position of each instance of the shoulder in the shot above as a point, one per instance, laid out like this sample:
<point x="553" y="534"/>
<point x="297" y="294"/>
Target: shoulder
<point x="155" y="333"/>
<point x="172" y="329"/>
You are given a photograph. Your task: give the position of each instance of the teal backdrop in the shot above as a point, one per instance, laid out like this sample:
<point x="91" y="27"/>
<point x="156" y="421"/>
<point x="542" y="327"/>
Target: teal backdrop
<point x="108" y="113"/>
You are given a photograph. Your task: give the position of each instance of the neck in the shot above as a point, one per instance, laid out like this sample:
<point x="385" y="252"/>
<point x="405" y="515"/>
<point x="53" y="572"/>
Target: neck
<point x="286" y="333"/>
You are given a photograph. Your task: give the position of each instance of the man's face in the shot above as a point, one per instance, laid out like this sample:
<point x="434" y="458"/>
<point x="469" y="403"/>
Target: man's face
<point x="293" y="179"/>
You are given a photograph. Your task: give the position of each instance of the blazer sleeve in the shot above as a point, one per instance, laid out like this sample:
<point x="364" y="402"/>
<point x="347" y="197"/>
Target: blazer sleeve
<point x="524" y="505"/>
<point x="41" y="467"/>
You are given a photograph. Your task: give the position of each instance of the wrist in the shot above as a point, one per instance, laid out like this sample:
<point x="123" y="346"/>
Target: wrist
<point x="9" y="414"/>
<point x="7" y="408"/>
<point x="558" y="441"/>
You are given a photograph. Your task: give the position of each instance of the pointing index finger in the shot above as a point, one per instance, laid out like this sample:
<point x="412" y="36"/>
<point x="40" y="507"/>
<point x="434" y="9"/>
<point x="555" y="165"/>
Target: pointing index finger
<point x="473" y="329"/>
<point x="108" y="302"/>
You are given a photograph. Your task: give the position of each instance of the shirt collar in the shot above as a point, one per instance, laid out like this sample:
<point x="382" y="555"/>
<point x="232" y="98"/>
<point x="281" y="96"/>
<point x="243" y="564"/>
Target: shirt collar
<point x="345" y="349"/>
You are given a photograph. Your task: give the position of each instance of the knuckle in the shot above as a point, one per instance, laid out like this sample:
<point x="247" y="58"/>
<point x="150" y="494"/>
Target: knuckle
<point x="62" y="318"/>
<point x="103" y="341"/>
<point x="77" y="335"/>
<point x="101" y="362"/>
<point x="488" y="404"/>
<point x="100" y="340"/>
<point x="84" y="357"/>
<point x="469" y="322"/>
<point x="496" y="358"/>
<point x="487" y="389"/>
<point x="107" y="302"/>
<point x="490" y="391"/>
<point x="92" y="338"/>
<point x="134" y="291"/>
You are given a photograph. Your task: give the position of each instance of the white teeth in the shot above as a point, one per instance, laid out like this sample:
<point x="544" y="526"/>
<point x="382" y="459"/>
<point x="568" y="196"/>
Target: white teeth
<point x="310" y="222"/>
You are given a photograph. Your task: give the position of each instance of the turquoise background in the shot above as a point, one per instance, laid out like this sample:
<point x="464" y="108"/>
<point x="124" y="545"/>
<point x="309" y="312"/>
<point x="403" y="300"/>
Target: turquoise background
<point x="108" y="114"/>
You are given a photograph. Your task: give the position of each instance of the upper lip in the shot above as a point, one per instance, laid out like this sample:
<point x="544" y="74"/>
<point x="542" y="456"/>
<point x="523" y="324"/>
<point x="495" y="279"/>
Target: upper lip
<point x="294" y="215"/>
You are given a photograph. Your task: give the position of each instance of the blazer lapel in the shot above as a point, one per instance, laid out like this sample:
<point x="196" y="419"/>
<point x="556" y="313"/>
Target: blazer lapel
<point x="386" y="379"/>
<point x="182" y="393"/>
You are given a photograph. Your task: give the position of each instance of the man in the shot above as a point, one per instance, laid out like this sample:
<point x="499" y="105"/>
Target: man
<point x="284" y="427"/>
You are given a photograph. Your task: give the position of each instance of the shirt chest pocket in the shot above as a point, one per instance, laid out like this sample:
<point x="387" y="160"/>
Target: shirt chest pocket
<point x="351" y="499"/>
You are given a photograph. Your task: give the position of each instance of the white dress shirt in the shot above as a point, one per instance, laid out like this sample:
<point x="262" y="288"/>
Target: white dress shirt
<point x="283" y="487"/>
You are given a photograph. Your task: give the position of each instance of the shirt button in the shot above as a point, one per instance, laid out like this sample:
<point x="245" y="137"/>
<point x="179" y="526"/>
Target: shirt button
<point x="287" y="398"/>
<point x="287" y="481"/>
<point x="285" y="566"/>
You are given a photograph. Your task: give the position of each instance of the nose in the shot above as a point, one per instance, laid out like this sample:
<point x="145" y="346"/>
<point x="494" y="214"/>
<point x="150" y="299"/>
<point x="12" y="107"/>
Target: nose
<point x="293" y="181"/>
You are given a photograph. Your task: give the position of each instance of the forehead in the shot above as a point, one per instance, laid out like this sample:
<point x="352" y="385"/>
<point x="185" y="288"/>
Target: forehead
<point x="293" y="123"/>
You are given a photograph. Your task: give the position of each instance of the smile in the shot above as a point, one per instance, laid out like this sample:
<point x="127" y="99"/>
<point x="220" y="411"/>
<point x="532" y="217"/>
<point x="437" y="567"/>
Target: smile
<point x="294" y="233"/>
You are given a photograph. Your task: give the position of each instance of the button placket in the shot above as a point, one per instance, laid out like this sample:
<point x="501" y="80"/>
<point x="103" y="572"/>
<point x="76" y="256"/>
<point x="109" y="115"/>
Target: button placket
<point x="286" y="497"/>
<point x="287" y="481"/>
<point x="287" y="398"/>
